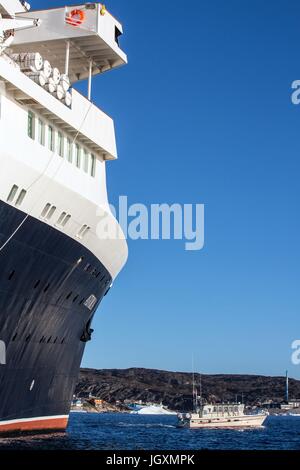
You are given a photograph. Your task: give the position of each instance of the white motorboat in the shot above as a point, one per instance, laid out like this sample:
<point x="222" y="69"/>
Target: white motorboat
<point x="221" y="416"/>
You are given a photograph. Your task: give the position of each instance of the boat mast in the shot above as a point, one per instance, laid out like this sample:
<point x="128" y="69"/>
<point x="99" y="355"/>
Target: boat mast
<point x="194" y="400"/>
<point x="200" y="390"/>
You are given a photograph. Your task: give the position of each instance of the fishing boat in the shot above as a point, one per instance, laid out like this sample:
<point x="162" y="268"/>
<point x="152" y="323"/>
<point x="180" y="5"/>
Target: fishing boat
<point x="218" y="415"/>
<point x="221" y="416"/>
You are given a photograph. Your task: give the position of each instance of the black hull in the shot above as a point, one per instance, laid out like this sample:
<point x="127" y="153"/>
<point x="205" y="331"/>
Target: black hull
<point x="45" y="280"/>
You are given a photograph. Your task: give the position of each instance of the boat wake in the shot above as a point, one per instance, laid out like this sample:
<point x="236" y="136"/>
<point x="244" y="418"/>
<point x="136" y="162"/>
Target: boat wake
<point x="146" y="425"/>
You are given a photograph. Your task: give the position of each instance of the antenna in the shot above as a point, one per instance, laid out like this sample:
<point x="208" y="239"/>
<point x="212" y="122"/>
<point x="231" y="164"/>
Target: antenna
<point x="287" y="387"/>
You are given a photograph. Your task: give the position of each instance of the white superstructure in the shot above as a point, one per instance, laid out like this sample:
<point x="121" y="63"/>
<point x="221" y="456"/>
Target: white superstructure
<point x="221" y="416"/>
<point x="54" y="151"/>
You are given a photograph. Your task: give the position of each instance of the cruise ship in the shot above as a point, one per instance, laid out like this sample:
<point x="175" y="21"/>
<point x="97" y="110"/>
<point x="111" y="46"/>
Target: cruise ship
<point x="60" y="245"/>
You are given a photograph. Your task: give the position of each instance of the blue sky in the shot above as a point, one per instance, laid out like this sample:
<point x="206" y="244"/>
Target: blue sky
<point x="203" y="115"/>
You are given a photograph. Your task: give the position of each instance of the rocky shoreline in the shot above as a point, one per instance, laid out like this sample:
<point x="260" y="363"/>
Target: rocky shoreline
<point x="118" y="387"/>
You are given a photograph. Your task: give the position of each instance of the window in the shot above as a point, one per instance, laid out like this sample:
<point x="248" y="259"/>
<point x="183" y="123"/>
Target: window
<point x="48" y="211"/>
<point x="60" y="144"/>
<point x="66" y="220"/>
<point x="93" y="166"/>
<point x="51" y="138"/>
<point x="63" y="219"/>
<point x="12" y="193"/>
<point x="69" y="151"/>
<point x="30" y="128"/>
<point x="41" y="132"/>
<point x="51" y="212"/>
<point x="21" y="197"/>
<point x="45" y="210"/>
<point x="117" y="35"/>
<point x="86" y="161"/>
<point x="78" y="155"/>
<point x="83" y="231"/>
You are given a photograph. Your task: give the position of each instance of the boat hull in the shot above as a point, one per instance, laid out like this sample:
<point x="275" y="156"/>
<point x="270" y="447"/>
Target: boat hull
<point x="50" y="288"/>
<point x="246" y="421"/>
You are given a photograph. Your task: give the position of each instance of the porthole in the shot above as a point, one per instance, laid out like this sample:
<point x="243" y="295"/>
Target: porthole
<point x="36" y="285"/>
<point x="32" y="385"/>
<point x="11" y="275"/>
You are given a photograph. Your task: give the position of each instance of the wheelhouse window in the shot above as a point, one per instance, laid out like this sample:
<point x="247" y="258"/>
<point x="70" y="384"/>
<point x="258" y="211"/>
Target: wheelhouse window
<point x="41" y="133"/>
<point x="93" y="166"/>
<point x="78" y="156"/>
<point x="47" y="135"/>
<point x="60" y="144"/>
<point x="86" y="161"/>
<point x="30" y="128"/>
<point x="69" y="150"/>
<point x="51" y="138"/>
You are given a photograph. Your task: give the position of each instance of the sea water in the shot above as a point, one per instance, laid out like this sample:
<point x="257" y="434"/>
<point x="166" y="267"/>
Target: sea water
<point x="141" y="432"/>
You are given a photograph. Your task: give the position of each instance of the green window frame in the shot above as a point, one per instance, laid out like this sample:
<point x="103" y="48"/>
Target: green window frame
<point x="41" y="131"/>
<point x="77" y="156"/>
<point x="30" y="125"/>
<point x="51" y="138"/>
<point x="60" y="144"/>
<point x="69" y="150"/>
<point x="86" y="161"/>
<point x="93" y="166"/>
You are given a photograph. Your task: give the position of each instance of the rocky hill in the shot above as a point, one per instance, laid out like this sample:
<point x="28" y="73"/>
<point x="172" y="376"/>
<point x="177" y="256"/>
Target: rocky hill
<point x="174" y="389"/>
